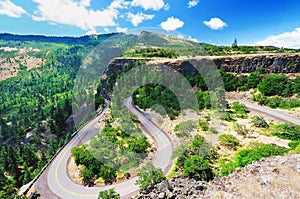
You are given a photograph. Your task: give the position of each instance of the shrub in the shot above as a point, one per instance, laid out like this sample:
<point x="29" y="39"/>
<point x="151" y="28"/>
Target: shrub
<point x="227" y="168"/>
<point x="108" y="194"/>
<point x="253" y="80"/>
<point x="256" y="151"/>
<point x="229" y="141"/>
<point x="297" y="149"/>
<point x="260" y="122"/>
<point x="149" y="176"/>
<point x="185" y="128"/>
<point x="227" y="116"/>
<point x="241" y="129"/>
<point x="199" y="146"/>
<point x="198" y="168"/>
<point x="213" y="130"/>
<point x="287" y="131"/>
<point x="260" y="98"/>
<point x="273" y="84"/>
<point x="239" y="108"/>
<point x="294" y="143"/>
<point x="139" y="145"/>
<point x="127" y="175"/>
<point x="204" y="125"/>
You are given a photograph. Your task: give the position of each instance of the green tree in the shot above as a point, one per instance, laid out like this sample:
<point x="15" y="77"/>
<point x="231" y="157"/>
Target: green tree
<point x="108" y="174"/>
<point x="199" y="146"/>
<point x="229" y="141"/>
<point x="87" y="176"/>
<point x="253" y="80"/>
<point x="139" y="145"/>
<point x="273" y="84"/>
<point x="109" y="194"/>
<point x="149" y="176"/>
<point x="198" y="168"/>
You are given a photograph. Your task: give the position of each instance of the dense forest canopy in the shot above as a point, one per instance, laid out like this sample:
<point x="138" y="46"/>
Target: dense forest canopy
<point x="36" y="105"/>
<point x="88" y="39"/>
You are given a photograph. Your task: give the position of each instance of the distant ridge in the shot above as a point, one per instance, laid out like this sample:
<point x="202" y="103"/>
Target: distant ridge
<point x="55" y="39"/>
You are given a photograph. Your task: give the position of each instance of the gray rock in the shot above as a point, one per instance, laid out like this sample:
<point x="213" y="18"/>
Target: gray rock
<point x="162" y="195"/>
<point x="298" y="167"/>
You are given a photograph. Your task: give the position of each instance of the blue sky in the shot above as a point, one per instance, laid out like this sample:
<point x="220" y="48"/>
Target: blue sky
<point x="252" y="22"/>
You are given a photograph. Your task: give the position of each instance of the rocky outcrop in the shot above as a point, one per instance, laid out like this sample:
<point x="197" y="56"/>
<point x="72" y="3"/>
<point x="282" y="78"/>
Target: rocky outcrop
<point x="269" y="63"/>
<point x="177" y="187"/>
<point x="273" y="177"/>
<point x="272" y="63"/>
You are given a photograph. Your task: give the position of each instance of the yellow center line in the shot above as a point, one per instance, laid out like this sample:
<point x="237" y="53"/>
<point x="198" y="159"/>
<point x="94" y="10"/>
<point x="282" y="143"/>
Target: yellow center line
<point x="56" y="174"/>
<point x="79" y="194"/>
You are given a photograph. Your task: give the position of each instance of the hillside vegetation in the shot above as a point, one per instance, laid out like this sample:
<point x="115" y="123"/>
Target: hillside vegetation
<point x="38" y="75"/>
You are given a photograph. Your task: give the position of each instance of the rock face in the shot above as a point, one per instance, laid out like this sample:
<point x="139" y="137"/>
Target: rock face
<point x="273" y="177"/>
<point x="270" y="63"/>
<point x="273" y="63"/>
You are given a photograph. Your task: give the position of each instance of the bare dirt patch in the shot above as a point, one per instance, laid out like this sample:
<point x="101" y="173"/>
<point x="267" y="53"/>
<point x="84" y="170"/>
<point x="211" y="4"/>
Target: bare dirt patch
<point x="10" y="66"/>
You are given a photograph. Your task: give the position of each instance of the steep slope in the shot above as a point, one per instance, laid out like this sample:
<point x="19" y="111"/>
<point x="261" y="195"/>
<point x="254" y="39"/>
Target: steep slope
<point x="273" y="177"/>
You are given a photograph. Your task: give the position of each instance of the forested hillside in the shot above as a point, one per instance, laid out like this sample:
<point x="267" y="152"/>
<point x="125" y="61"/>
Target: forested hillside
<point x="36" y="105"/>
<point x="36" y="102"/>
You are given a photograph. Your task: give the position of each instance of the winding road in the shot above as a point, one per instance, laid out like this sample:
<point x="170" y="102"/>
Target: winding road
<point x="270" y="112"/>
<point x="55" y="182"/>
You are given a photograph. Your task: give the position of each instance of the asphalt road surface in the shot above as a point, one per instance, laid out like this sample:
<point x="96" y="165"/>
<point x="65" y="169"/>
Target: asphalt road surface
<point x="55" y="182"/>
<point x="270" y="112"/>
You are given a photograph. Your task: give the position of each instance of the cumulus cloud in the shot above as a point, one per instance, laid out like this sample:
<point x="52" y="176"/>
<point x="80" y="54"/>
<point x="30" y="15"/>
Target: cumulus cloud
<point x="215" y="24"/>
<point x="193" y="3"/>
<point x="77" y="14"/>
<point x="91" y="32"/>
<point x="85" y="3"/>
<point x="287" y="40"/>
<point x="138" y="18"/>
<point x="190" y="38"/>
<point x="172" y="24"/>
<point x="119" y="29"/>
<point x="119" y="4"/>
<point x="10" y="9"/>
<point x="149" y="4"/>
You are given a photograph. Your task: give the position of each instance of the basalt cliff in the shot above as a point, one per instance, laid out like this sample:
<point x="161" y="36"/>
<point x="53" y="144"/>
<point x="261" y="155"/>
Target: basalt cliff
<point x="264" y="63"/>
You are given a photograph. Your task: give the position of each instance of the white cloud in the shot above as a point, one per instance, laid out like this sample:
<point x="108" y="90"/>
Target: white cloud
<point x="167" y="7"/>
<point x="193" y="3"/>
<point x="91" y="32"/>
<point x="77" y="14"/>
<point x="172" y="24"/>
<point x="106" y="30"/>
<point x="85" y="3"/>
<point x="287" y="40"/>
<point x="180" y="36"/>
<point x="119" y="4"/>
<point x="215" y="24"/>
<point x="193" y="39"/>
<point x="121" y="29"/>
<point x="149" y="4"/>
<point x="190" y="38"/>
<point x="10" y="9"/>
<point x="138" y="18"/>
